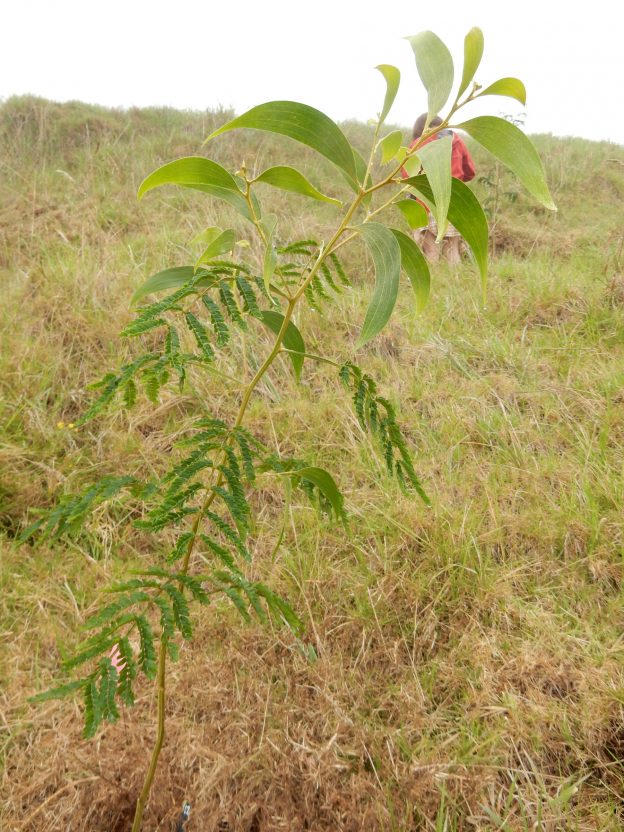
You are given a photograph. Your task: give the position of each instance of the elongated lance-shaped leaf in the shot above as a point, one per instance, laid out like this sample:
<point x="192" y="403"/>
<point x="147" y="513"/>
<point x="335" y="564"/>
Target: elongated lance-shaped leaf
<point x="323" y="480"/>
<point x="473" y="52"/>
<point x="289" y="179"/>
<point x="302" y="123"/>
<point x="415" y="214"/>
<point x="390" y="146"/>
<point x="508" y="143"/>
<point x="205" y="237"/>
<point x="386" y="256"/>
<point x="466" y="214"/>
<point x="201" y="174"/>
<point x="435" y="67"/>
<point x="221" y="244"/>
<point x="415" y="267"/>
<point x="170" y="279"/>
<point x="510" y="87"/>
<point x="411" y="165"/>
<point x="293" y="340"/>
<point x="435" y="158"/>
<point x="393" y="79"/>
<point x="189" y="171"/>
<point x="360" y="169"/>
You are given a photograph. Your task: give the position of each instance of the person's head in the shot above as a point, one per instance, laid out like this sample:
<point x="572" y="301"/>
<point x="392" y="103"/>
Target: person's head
<point x="419" y="124"/>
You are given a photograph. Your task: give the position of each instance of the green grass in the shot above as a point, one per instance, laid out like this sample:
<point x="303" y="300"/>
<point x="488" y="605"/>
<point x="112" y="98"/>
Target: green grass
<point x="469" y="656"/>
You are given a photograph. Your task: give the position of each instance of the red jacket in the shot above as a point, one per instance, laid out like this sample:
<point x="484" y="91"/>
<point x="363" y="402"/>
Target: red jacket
<point x="462" y="166"/>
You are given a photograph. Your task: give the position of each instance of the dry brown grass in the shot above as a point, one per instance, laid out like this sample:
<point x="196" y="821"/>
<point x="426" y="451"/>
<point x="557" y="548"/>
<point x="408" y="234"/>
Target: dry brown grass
<point x="469" y="657"/>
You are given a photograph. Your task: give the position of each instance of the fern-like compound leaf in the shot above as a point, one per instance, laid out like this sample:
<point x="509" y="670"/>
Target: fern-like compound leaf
<point x="201" y="336"/>
<point x="221" y="329"/>
<point x="60" y="692"/>
<point x="92" y="709"/>
<point x="250" y="304"/>
<point x="194" y="585"/>
<point x="167" y="618"/>
<point x="128" y="671"/>
<point x="147" y="651"/>
<point x="181" y="612"/>
<point x="142" y="325"/>
<point x="108" y="690"/>
<point x="229" y="533"/>
<point x="112" y="610"/>
<point x="229" y="302"/>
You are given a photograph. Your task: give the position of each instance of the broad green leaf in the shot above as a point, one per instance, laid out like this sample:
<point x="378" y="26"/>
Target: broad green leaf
<point x="473" y="52"/>
<point x="289" y="179"/>
<point x="293" y="339"/>
<point x="326" y="484"/>
<point x="415" y="214"/>
<point x="205" y="237"/>
<point x="435" y="158"/>
<point x="508" y="143"/>
<point x="220" y="245"/>
<point x="435" y="67"/>
<point x="189" y="171"/>
<point x="360" y="169"/>
<point x="390" y="146"/>
<point x="302" y="123"/>
<point x="511" y="87"/>
<point x="201" y="174"/>
<point x="466" y="214"/>
<point x="269" y="224"/>
<point x="411" y="165"/>
<point x="393" y="79"/>
<point x="169" y="279"/>
<point x="386" y="255"/>
<point x="415" y="267"/>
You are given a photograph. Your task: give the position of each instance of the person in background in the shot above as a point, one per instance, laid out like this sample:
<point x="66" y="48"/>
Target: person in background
<point x="462" y="167"/>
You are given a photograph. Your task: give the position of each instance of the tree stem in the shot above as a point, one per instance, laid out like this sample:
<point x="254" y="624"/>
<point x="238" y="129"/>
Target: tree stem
<point x="160" y="736"/>
<point x="162" y="656"/>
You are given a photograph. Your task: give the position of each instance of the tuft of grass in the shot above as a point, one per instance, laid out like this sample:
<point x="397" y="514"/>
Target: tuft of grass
<point x="462" y="665"/>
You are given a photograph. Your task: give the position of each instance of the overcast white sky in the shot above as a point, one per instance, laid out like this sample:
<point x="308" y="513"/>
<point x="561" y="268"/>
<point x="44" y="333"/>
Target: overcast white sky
<point x="238" y="53"/>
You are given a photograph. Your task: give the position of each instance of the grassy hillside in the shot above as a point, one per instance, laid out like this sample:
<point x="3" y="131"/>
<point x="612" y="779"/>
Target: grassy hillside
<point x="469" y="671"/>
